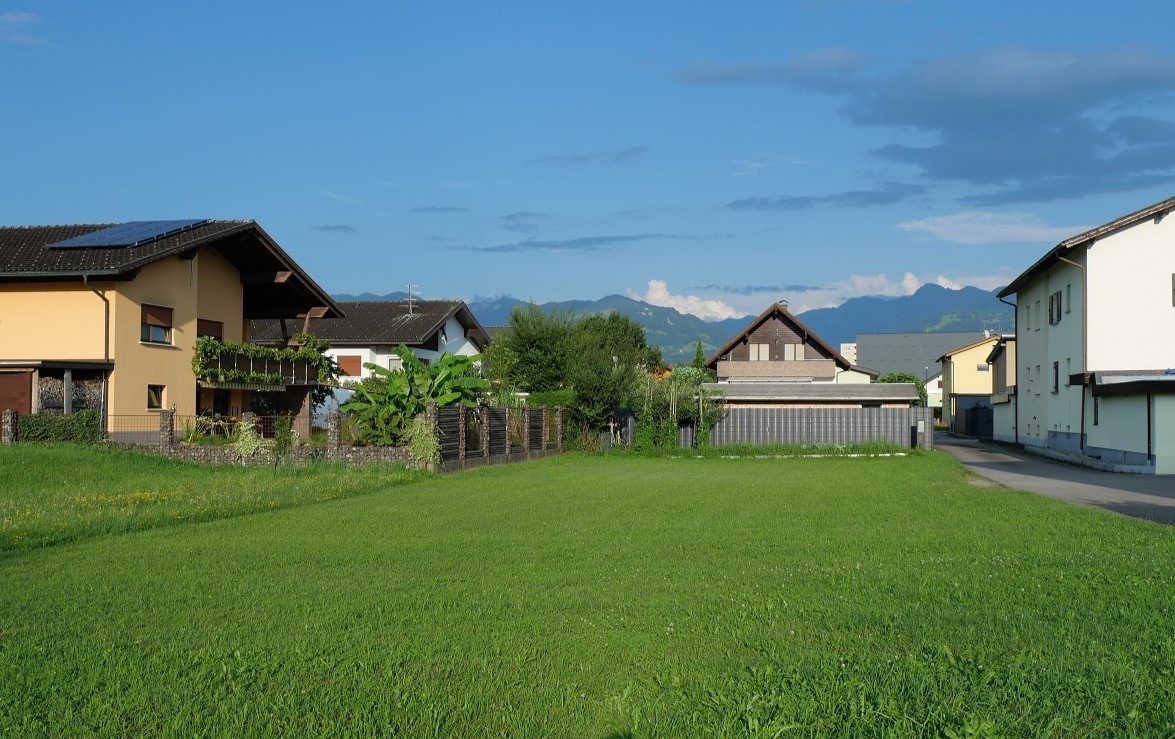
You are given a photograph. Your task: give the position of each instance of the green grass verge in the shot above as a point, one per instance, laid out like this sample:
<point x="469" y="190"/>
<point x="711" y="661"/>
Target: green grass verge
<point x="50" y="494"/>
<point x="609" y="596"/>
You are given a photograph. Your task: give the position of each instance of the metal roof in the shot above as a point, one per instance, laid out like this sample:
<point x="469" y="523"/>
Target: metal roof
<point x="824" y="391"/>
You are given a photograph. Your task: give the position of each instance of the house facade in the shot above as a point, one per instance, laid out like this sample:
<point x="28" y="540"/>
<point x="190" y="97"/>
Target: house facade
<point x="107" y="316"/>
<point x="966" y="387"/>
<point x="1002" y="359"/>
<point x="372" y="330"/>
<point x="777" y="361"/>
<point x="1096" y="345"/>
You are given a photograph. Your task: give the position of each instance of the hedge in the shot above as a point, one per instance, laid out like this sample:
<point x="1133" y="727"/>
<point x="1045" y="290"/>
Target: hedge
<point x="80" y="427"/>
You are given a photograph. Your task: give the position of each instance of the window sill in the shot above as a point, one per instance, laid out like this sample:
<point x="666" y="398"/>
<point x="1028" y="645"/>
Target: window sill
<point x="158" y="345"/>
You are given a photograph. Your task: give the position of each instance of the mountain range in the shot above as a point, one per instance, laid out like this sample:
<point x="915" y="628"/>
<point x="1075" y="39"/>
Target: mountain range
<point x="930" y="308"/>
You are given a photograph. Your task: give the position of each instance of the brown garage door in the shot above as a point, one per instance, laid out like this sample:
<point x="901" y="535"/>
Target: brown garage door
<point x="16" y="391"/>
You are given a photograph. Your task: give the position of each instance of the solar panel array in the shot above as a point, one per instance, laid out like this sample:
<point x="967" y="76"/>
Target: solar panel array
<point x="131" y="233"/>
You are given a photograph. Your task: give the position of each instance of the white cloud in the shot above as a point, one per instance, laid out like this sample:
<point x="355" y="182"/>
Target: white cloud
<point x="657" y="293"/>
<point x="977" y="227"/>
<point x="753" y="302"/>
<point x="12" y="27"/>
<point x="983" y="282"/>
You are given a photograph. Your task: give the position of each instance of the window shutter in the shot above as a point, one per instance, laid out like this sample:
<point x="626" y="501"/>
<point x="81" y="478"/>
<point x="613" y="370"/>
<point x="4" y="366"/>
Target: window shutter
<point x="350" y="364"/>
<point x="204" y="327"/>
<point x="154" y="315"/>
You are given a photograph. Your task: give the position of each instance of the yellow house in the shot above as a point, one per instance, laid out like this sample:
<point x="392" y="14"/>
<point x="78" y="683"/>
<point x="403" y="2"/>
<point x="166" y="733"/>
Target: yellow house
<point x="107" y="316"/>
<point x="967" y="384"/>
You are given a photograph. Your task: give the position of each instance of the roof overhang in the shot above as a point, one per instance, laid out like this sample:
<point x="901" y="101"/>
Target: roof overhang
<point x="1154" y="382"/>
<point x="1086" y="238"/>
<point x="79" y="364"/>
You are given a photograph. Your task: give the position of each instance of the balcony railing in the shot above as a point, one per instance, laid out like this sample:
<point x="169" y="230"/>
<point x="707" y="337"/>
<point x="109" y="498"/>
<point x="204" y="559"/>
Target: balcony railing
<point x="229" y="363"/>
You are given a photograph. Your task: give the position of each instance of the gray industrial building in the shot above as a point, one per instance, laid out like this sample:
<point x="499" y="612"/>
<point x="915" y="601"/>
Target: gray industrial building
<point x="915" y="353"/>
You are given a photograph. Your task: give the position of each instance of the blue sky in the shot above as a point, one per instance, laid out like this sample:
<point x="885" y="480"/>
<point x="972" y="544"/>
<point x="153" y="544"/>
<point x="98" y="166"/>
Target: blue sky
<point x="714" y="157"/>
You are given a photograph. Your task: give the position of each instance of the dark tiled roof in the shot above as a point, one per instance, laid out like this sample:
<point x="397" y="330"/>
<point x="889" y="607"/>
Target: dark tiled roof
<point x="25" y="256"/>
<point x="377" y="323"/>
<point x="24" y="250"/>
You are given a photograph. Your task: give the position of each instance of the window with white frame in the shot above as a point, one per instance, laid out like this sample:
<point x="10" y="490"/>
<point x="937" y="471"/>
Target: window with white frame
<point x="760" y="352"/>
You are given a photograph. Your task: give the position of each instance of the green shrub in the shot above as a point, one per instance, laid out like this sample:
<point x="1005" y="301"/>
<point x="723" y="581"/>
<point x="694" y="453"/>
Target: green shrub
<point x="551" y="399"/>
<point x="422" y="442"/>
<point x="81" y="428"/>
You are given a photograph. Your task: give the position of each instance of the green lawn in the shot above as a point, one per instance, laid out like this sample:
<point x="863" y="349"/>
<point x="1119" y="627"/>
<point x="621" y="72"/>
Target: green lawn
<point x="607" y="596"/>
<point x="51" y="494"/>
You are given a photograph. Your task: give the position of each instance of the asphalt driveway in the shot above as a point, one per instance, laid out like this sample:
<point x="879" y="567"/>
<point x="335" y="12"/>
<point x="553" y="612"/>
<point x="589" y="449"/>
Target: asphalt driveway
<point x="1150" y="497"/>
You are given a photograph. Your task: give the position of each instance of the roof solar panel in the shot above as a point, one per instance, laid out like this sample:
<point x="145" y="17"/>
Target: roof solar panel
<point x="131" y="233"/>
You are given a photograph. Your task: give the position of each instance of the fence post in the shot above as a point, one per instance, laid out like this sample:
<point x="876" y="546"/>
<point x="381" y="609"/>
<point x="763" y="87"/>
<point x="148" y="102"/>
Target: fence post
<point x="485" y="432"/>
<point x="507" y="410"/>
<point x="461" y="432"/>
<point x="8" y="427"/>
<point x="334" y="423"/>
<point x="546" y="427"/>
<point x="430" y="415"/>
<point x="166" y="430"/>
<point x="559" y="429"/>
<point x="526" y="428"/>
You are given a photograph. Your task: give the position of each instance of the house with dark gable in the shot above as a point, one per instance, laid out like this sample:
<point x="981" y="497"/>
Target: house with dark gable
<point x="777" y="361"/>
<point x="107" y="316"/>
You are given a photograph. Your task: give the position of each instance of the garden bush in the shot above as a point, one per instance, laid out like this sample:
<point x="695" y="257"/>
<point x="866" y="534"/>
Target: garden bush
<point x="80" y="427"/>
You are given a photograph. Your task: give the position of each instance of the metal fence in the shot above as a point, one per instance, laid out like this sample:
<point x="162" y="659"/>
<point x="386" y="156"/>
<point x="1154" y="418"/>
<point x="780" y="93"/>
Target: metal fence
<point x="902" y="426"/>
<point x="140" y="430"/>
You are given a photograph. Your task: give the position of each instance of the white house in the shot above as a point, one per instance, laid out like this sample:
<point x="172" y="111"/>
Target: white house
<point x="1095" y="345"/>
<point x="373" y="329"/>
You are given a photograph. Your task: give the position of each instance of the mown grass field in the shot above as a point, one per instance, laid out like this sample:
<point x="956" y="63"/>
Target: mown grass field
<point x="51" y="494"/>
<point x="606" y="596"/>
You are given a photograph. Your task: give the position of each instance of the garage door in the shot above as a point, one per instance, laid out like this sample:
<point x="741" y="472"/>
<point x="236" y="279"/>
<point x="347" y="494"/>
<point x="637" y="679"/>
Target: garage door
<point x="16" y="391"/>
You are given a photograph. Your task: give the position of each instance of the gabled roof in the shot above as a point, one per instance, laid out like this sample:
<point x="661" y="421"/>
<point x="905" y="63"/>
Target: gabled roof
<point x="25" y="256"/>
<point x="781" y="310"/>
<point x="1054" y="255"/>
<point x="999" y="347"/>
<point x="370" y="323"/>
<point x="960" y="350"/>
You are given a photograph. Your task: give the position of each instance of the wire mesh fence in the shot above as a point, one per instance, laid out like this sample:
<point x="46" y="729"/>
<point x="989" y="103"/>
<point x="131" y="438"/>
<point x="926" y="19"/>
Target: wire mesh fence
<point x="140" y="430"/>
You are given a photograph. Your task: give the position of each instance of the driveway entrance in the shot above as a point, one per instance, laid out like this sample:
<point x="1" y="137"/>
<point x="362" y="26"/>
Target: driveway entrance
<point x="1150" y="497"/>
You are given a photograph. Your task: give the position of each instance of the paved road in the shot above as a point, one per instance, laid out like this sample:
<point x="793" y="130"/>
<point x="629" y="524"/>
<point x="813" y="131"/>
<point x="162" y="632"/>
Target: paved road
<point x="1150" y="497"/>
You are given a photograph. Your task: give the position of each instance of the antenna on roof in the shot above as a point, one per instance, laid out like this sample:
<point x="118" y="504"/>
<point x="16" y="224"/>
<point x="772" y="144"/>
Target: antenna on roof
<point x="409" y="302"/>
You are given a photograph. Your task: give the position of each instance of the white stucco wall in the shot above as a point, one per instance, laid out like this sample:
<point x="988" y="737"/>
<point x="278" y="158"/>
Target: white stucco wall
<point x="1004" y="421"/>
<point x="1131" y="319"/>
<point x="1121" y="424"/>
<point x="852" y="377"/>
<point x="453" y="341"/>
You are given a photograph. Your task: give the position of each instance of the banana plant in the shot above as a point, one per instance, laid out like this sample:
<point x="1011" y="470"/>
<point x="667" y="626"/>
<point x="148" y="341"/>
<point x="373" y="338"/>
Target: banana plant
<point x="385" y="409"/>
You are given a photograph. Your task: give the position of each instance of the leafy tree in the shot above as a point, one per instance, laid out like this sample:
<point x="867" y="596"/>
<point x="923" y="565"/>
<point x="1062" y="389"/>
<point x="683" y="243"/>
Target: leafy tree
<point x="679" y="398"/>
<point x="907" y="377"/>
<point x="386" y="405"/>
<point x="532" y="351"/>
<point x="699" y="360"/>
